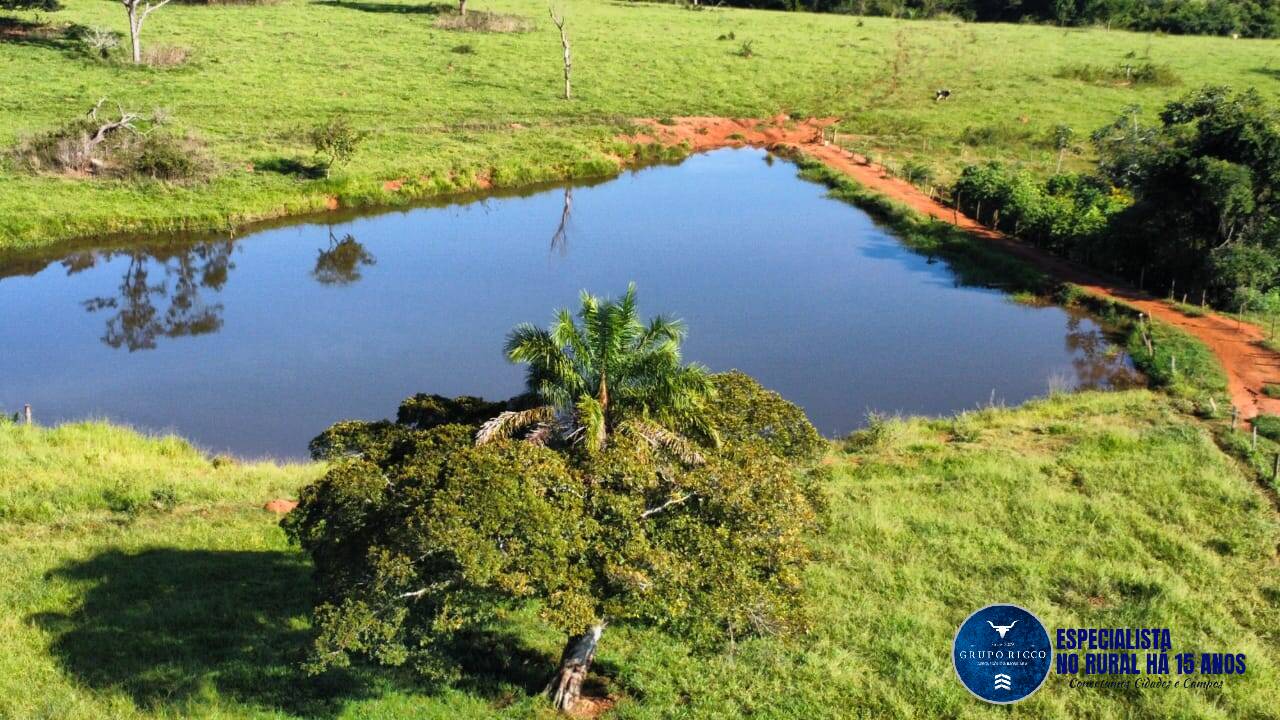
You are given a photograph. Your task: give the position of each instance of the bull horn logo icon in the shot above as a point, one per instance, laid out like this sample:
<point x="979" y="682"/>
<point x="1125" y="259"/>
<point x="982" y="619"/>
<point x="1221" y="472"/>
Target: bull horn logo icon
<point x="1002" y="629"/>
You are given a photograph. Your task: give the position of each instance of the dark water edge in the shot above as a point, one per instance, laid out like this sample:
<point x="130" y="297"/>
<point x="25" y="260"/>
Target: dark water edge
<point x="254" y="344"/>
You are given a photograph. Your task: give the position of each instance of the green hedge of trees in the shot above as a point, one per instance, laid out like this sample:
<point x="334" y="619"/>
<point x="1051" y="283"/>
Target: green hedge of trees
<point x="1247" y="18"/>
<point x="1186" y="206"/>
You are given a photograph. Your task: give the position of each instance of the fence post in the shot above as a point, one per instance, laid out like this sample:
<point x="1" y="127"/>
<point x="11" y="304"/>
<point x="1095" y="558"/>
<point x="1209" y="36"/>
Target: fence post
<point x="26" y="413"/>
<point x="1255" y="437"/>
<point x="1235" y="412"/>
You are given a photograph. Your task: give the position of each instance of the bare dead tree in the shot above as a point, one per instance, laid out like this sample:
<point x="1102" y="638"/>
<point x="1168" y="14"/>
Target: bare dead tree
<point x="105" y="129"/>
<point x="558" y="19"/>
<point x="138" y="11"/>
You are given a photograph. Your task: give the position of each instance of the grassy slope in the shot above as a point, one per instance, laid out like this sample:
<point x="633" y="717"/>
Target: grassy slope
<point x="262" y="74"/>
<point x="1094" y="509"/>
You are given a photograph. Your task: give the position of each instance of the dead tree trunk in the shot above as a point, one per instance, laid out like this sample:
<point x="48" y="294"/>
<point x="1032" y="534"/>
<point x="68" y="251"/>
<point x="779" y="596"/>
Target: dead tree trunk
<point x="138" y="11"/>
<point x="566" y="686"/>
<point x="568" y="55"/>
<point x="462" y="7"/>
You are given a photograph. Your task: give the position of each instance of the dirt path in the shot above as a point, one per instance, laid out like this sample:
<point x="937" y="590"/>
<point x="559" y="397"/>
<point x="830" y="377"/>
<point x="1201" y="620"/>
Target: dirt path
<point x="1238" y="345"/>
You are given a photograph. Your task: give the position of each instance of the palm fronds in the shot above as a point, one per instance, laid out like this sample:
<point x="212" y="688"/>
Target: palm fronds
<point x="603" y="367"/>
<point x="507" y="424"/>
<point x="662" y="439"/>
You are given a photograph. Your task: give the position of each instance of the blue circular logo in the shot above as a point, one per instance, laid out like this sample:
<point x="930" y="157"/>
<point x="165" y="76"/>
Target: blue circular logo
<point x="1002" y="653"/>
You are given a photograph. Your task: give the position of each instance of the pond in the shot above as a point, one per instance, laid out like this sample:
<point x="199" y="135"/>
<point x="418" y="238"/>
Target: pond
<point x="253" y="345"/>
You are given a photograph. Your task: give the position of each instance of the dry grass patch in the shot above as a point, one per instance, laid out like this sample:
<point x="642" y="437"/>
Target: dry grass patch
<point x="490" y="22"/>
<point x="165" y="56"/>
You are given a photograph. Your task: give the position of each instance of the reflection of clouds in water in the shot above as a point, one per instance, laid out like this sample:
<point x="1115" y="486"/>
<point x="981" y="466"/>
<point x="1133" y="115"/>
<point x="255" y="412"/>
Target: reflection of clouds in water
<point x="160" y="293"/>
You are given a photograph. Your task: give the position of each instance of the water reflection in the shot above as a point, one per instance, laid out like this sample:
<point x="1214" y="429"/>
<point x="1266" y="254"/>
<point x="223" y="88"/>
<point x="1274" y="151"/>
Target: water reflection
<point x="170" y="291"/>
<point x="340" y="263"/>
<point x="1098" y="362"/>
<point x="160" y="294"/>
<point x="262" y="341"/>
<point x="560" y="239"/>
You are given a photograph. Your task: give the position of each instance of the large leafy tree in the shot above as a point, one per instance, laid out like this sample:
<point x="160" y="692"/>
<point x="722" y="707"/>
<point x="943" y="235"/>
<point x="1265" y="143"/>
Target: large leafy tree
<point x="607" y="371"/>
<point x="1205" y="183"/>
<point x="420" y="536"/>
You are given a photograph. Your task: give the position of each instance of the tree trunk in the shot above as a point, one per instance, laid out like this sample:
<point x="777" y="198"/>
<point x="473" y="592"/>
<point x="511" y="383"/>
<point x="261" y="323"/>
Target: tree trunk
<point x="604" y="393"/>
<point x="566" y="686"/>
<point x="135" y="33"/>
<point x="462" y="7"/>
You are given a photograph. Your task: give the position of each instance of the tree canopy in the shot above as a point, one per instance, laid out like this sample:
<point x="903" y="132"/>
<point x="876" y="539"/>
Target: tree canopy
<point x="1185" y="205"/>
<point x="419" y="534"/>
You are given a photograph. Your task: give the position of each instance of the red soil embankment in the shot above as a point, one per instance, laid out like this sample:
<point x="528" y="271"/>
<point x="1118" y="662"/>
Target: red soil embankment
<point x="1249" y="365"/>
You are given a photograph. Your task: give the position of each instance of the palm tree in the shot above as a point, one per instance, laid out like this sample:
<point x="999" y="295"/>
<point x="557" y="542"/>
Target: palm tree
<point x="604" y="373"/>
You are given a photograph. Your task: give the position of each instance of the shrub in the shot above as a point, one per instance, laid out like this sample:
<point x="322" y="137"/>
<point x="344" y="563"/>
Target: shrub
<point x="424" y="412"/>
<point x="99" y="41"/>
<point x="1271" y="390"/>
<point x="744" y="410"/>
<point x="412" y="551"/>
<point x="335" y="141"/>
<point x="164" y="156"/>
<point x="918" y="173"/>
<point x="999" y="134"/>
<point x="62" y="150"/>
<point x="129" y="147"/>
<point x="1124" y="73"/>
<point x="746" y="49"/>
<point x="880" y="432"/>
<point x="485" y="22"/>
<point x="375" y="441"/>
<point x="39" y="5"/>
<point x="464" y="49"/>
<point x="1268" y="426"/>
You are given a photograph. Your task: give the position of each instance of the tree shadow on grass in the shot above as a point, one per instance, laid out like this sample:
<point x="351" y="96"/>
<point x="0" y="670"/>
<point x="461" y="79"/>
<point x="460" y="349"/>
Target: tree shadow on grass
<point x="175" y="628"/>
<point x="64" y="37"/>
<point x="169" y="626"/>
<point x="291" y="166"/>
<point x="395" y="8"/>
<point x="1273" y="73"/>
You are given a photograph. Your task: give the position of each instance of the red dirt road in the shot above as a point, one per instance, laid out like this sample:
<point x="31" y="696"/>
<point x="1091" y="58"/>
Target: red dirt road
<point x="1239" y="348"/>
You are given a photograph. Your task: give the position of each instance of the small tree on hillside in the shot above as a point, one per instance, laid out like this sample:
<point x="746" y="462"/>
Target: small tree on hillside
<point x="138" y="11"/>
<point x="1063" y="136"/>
<point x="419" y="535"/>
<point x="335" y="141"/>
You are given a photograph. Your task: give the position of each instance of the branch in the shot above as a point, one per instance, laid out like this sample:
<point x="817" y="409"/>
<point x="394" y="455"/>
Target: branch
<point x="415" y="594"/>
<point x="673" y="501"/>
<point x="151" y="8"/>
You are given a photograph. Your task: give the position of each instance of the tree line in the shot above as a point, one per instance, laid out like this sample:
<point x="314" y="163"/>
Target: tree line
<point x="1246" y="18"/>
<point x="1186" y="206"/>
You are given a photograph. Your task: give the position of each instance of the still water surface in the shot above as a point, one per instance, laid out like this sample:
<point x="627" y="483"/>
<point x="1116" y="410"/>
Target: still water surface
<point x="254" y="345"/>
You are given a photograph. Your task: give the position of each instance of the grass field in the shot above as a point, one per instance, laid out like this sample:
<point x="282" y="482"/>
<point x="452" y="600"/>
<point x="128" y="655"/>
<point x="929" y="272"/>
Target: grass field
<point x="261" y="75"/>
<point x="1099" y="509"/>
